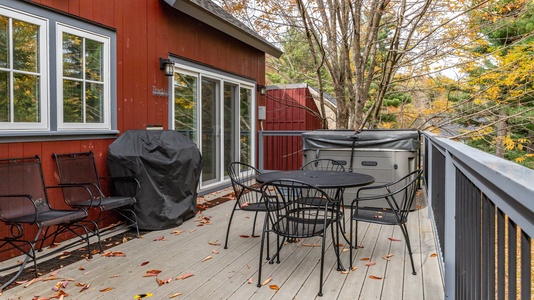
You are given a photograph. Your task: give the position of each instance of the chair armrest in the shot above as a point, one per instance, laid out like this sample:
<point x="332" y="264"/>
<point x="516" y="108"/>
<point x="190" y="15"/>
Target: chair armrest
<point x="86" y="186"/>
<point x="134" y="180"/>
<point x="22" y="196"/>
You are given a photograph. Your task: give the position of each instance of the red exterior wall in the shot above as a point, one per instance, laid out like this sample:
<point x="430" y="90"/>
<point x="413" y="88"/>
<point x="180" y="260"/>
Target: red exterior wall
<point x="146" y="30"/>
<point x="288" y="109"/>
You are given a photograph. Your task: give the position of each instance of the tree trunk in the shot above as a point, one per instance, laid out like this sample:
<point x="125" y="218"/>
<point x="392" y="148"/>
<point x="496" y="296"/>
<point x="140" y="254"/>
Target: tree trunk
<point x="502" y="129"/>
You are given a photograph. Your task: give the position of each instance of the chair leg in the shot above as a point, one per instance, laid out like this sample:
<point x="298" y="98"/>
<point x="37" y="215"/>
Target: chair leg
<point x="254" y="224"/>
<point x="265" y="226"/>
<point x="408" y="245"/>
<point x="320" y="294"/>
<point x="228" y="228"/>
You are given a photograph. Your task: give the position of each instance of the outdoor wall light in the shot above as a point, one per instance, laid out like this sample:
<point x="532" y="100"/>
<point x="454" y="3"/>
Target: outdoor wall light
<point x="167" y="66"/>
<point x="261" y="89"/>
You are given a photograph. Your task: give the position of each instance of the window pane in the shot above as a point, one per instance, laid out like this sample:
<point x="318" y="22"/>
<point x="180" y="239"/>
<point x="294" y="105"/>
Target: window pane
<point x="94" y="106"/>
<point x="185" y="105"/>
<point x="72" y="55"/>
<point x="230" y="113"/>
<point x="25" y="46"/>
<point x="26" y="98"/>
<point x="246" y="125"/>
<point x="209" y="134"/>
<point x="4" y="42"/>
<point x="94" y="60"/>
<point x="5" y="104"/>
<point x="72" y="102"/>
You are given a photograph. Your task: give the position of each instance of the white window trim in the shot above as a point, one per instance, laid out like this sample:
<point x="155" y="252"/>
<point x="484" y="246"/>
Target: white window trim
<point x="63" y="28"/>
<point x="43" y="72"/>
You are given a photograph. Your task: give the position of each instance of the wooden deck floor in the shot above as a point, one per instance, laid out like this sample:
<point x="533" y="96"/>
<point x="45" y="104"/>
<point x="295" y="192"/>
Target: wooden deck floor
<point x="226" y="275"/>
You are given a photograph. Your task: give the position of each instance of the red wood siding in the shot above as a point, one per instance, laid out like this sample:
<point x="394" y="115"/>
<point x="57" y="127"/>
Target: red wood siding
<point x="146" y="30"/>
<point x="288" y="109"/>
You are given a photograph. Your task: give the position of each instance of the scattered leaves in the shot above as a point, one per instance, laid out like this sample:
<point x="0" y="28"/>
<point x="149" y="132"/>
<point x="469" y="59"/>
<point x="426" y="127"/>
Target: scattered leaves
<point x="375" y="277"/>
<point x="214" y="243"/>
<point x="344" y="272"/>
<point x="365" y="258"/>
<point x="114" y="254"/>
<point x="207" y="258"/>
<point x="250" y="280"/>
<point x="144" y="263"/>
<point x="175" y="295"/>
<point x="354" y="268"/>
<point x="360" y="246"/>
<point x="214" y="251"/>
<point x="370" y="264"/>
<point x="274" y="287"/>
<point x="141" y="296"/>
<point x="106" y="290"/>
<point x="81" y="268"/>
<point x="84" y="287"/>
<point x="161" y="238"/>
<point x="177" y="232"/>
<point x="387" y="257"/>
<point x="394" y="239"/>
<point x="433" y="255"/>
<point x="310" y="245"/>
<point x="165" y="281"/>
<point x="244" y="236"/>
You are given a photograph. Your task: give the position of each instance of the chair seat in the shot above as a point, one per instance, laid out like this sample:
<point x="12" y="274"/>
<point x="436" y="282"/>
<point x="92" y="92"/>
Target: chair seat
<point x="50" y="218"/>
<point x="109" y="203"/>
<point x="376" y="215"/>
<point x="254" y="207"/>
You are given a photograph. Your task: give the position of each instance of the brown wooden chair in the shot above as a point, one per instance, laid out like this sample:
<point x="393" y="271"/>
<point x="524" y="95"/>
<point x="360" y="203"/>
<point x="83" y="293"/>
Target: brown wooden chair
<point x="79" y="177"/>
<point x="23" y="203"/>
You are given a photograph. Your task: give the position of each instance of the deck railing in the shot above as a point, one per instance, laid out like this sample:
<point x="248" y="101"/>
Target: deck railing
<point x="482" y="209"/>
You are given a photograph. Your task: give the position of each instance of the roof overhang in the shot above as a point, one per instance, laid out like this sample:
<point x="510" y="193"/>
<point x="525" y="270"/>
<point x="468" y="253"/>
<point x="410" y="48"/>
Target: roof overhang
<point x="216" y="21"/>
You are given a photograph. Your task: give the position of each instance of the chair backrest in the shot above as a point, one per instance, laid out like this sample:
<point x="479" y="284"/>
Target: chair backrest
<point x="243" y="177"/>
<point x="22" y="176"/>
<point x="297" y="209"/>
<point x="324" y="164"/>
<point x="78" y="168"/>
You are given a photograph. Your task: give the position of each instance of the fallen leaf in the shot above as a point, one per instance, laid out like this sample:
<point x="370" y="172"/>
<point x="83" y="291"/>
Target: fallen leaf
<point x="124" y="239"/>
<point x="250" y="280"/>
<point x="141" y="296"/>
<point x="106" y="290"/>
<point x="177" y="232"/>
<point x="151" y="273"/>
<point x="310" y="245"/>
<point x="144" y="263"/>
<point x="186" y="275"/>
<point x="244" y="236"/>
<point x="165" y="281"/>
<point x="365" y="258"/>
<point x="175" y="295"/>
<point x="86" y="286"/>
<point x="214" y="243"/>
<point x="214" y="251"/>
<point x="266" y="281"/>
<point x="370" y="264"/>
<point x="394" y="239"/>
<point x="433" y="255"/>
<point x="345" y="250"/>
<point x="344" y="272"/>
<point x="274" y="287"/>
<point x="206" y="258"/>
<point x="375" y="277"/>
<point x="81" y="268"/>
<point x="360" y="246"/>
<point x="161" y="238"/>
<point x="354" y="268"/>
<point x="114" y="276"/>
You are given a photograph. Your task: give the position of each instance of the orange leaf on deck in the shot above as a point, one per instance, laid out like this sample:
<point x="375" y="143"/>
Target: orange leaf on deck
<point x="214" y="243"/>
<point x="86" y="286"/>
<point x="106" y="290"/>
<point x="214" y="251"/>
<point x="433" y="255"/>
<point x="310" y="245"/>
<point x="144" y="263"/>
<point x="175" y="295"/>
<point x="177" y="232"/>
<point x="206" y="258"/>
<point x="375" y="277"/>
<point x="161" y="238"/>
<point x="244" y="236"/>
<point x="266" y="281"/>
<point x="151" y="273"/>
<point x="186" y="275"/>
<point x="360" y="246"/>
<point x="394" y="239"/>
<point x="370" y="264"/>
<point x="250" y="280"/>
<point x="274" y="287"/>
<point x="81" y="268"/>
<point x="365" y="258"/>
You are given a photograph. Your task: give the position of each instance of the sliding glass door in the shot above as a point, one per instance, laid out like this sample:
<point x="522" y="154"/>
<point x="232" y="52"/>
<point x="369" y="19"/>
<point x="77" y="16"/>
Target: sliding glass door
<point x="218" y="115"/>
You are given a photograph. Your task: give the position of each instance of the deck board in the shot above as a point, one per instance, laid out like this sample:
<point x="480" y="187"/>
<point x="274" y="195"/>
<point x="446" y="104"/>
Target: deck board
<point x="226" y="274"/>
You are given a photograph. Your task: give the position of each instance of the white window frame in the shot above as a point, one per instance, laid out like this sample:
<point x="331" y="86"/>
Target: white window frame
<point x="106" y="41"/>
<point x="43" y="72"/>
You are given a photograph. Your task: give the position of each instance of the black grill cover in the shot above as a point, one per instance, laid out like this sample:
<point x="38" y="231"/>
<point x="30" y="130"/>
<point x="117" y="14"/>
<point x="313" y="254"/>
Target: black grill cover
<point x="167" y="165"/>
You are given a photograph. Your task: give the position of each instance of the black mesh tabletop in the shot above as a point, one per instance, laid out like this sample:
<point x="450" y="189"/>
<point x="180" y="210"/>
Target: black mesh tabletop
<point x="320" y="178"/>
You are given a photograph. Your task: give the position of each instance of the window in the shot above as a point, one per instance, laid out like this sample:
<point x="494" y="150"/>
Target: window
<point x="215" y="110"/>
<point x="83" y="87"/>
<point x="23" y="66"/>
<point x="55" y="74"/>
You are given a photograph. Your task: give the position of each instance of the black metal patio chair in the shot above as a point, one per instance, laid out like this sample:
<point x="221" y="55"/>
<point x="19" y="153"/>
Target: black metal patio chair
<point x="369" y="202"/>
<point x="325" y="164"/>
<point x="24" y="204"/>
<point x="293" y="214"/>
<point x="247" y="192"/>
<point x="81" y="188"/>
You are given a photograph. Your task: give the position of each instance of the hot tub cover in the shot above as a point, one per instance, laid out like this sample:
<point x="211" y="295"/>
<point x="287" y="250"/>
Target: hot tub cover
<point x="167" y="165"/>
<point x="407" y="140"/>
